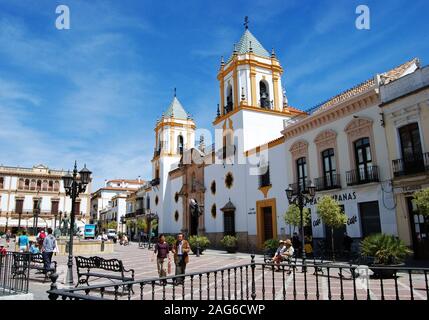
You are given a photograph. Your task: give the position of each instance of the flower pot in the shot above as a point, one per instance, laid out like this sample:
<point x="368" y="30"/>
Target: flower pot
<point x="231" y="249"/>
<point x="384" y="272"/>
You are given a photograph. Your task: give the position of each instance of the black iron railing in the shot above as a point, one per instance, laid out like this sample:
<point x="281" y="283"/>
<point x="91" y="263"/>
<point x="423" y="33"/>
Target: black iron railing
<point x="155" y="182"/>
<point x="411" y="164"/>
<point x="265" y="103"/>
<point x="363" y="175"/>
<point x="328" y="182"/>
<point x="303" y="186"/>
<point x="14" y="273"/>
<point x="228" y="107"/>
<point x="266" y="281"/>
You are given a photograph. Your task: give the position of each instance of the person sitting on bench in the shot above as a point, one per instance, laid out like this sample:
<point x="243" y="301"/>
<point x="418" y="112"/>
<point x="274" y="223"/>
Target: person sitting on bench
<point x="278" y="255"/>
<point x="288" y="253"/>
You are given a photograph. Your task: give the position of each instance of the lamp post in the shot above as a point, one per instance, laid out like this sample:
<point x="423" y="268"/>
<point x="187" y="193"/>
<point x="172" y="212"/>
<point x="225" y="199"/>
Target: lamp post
<point x="149" y="217"/>
<point x="301" y="199"/>
<point x="73" y="186"/>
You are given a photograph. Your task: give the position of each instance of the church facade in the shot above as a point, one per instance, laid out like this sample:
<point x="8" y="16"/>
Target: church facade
<point x="236" y="183"/>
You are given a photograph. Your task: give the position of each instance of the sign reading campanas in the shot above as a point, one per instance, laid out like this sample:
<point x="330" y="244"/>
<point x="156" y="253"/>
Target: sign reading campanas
<point x="343" y="197"/>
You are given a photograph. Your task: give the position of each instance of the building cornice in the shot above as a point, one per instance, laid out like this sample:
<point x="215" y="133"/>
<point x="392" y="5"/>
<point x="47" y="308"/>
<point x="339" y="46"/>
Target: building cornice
<point x="343" y="109"/>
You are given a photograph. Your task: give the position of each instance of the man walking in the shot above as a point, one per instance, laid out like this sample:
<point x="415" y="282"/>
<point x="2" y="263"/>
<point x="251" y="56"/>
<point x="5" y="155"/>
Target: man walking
<point x="49" y="245"/>
<point x="181" y="250"/>
<point x="162" y="257"/>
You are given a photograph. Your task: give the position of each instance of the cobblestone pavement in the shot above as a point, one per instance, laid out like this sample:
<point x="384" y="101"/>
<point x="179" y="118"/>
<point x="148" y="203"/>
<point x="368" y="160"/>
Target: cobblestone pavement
<point x="236" y="283"/>
<point x="139" y="259"/>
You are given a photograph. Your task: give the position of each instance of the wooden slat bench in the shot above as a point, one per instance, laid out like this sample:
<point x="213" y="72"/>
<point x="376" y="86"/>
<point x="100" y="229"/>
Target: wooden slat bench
<point x="85" y="265"/>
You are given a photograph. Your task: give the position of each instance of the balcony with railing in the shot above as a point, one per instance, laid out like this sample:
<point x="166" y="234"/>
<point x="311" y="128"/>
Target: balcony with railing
<point x="265" y="103"/>
<point x="362" y="175"/>
<point x="228" y="107"/>
<point x="413" y="164"/>
<point x="328" y="182"/>
<point x="300" y="186"/>
<point x="155" y="182"/>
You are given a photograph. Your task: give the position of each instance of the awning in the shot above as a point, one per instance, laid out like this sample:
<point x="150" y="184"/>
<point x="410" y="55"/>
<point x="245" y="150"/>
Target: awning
<point x="228" y="207"/>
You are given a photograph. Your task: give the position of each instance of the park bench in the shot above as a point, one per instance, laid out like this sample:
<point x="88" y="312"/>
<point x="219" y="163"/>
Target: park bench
<point x="23" y="262"/>
<point x="86" y="265"/>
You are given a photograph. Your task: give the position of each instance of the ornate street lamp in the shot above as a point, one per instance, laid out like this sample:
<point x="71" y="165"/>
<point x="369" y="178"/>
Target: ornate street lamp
<point x="73" y="186"/>
<point x="302" y="198"/>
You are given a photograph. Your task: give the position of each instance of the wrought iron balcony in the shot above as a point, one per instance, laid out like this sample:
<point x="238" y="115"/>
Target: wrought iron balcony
<point x="328" y="182"/>
<point x="156" y="152"/>
<point x="362" y="176"/>
<point x="155" y="182"/>
<point x="300" y="186"/>
<point x="265" y="103"/>
<point x="228" y="107"/>
<point x="413" y="164"/>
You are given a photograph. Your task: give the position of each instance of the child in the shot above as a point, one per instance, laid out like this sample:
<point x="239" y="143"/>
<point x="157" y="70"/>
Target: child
<point x="33" y="248"/>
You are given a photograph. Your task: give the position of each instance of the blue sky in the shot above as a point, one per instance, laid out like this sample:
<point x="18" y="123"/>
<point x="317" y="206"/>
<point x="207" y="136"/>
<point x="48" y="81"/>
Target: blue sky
<point x="94" y="92"/>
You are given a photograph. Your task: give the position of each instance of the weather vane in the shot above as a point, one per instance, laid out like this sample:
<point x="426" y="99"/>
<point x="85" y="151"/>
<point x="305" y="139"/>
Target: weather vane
<point x="246" y="22"/>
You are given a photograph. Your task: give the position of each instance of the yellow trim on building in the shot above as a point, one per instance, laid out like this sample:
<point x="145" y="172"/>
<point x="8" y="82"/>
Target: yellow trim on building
<point x="260" y="219"/>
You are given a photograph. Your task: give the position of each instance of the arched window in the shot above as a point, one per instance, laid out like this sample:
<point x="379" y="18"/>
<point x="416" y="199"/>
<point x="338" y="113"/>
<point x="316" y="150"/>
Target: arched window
<point x="51" y="185"/>
<point x="56" y="185"/>
<point x="264" y="95"/>
<point x="39" y="185"/>
<point x="45" y="185"/>
<point x="180" y="144"/>
<point x="33" y="184"/>
<point x="27" y="184"/>
<point x="229" y="104"/>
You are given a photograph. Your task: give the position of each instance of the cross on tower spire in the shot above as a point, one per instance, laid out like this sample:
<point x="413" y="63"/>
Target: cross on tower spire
<point x="246" y="22"/>
<point x="175" y="92"/>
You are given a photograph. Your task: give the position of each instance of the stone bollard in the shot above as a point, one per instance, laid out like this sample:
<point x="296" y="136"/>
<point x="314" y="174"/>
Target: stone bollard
<point x="51" y="295"/>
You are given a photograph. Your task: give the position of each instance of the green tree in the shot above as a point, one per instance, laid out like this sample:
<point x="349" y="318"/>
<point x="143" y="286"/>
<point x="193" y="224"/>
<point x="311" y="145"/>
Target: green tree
<point x="112" y="225"/>
<point x="142" y="224"/>
<point x="422" y="201"/>
<point x="292" y="217"/>
<point x="329" y="210"/>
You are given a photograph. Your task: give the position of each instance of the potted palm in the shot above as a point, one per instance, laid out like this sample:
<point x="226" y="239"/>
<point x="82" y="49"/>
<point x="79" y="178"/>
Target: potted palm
<point x="230" y="243"/>
<point x="198" y="241"/>
<point x="384" y="251"/>
<point x="170" y="240"/>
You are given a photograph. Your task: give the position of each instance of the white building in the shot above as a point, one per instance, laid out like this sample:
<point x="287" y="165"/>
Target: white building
<point x="37" y="191"/>
<point x="108" y="203"/>
<point x="261" y="146"/>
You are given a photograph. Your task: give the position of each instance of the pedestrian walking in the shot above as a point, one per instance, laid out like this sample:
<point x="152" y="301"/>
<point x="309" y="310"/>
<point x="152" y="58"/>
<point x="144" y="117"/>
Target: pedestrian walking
<point x="8" y="236"/>
<point x="49" y="245"/>
<point x="162" y="257"/>
<point x="181" y="250"/>
<point x="23" y="242"/>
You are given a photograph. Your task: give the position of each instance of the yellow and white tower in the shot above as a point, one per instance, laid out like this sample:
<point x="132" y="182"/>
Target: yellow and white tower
<point x="251" y="95"/>
<point x="174" y="133"/>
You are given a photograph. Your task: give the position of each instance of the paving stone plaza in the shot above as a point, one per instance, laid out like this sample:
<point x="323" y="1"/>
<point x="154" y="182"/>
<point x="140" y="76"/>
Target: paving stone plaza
<point x="269" y="284"/>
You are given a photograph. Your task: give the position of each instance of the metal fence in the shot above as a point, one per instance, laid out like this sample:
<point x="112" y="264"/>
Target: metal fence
<point x="14" y="273"/>
<point x="267" y="281"/>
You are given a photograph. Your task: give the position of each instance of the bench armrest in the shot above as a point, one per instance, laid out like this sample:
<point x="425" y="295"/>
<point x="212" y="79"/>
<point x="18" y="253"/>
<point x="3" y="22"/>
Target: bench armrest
<point x="130" y="270"/>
